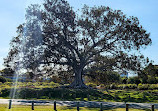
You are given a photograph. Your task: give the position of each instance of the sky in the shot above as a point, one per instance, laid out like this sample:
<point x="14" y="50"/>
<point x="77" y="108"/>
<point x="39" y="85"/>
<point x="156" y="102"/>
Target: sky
<point x="12" y="13"/>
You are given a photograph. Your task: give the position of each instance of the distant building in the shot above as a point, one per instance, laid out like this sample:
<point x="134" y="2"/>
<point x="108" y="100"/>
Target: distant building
<point x="124" y="74"/>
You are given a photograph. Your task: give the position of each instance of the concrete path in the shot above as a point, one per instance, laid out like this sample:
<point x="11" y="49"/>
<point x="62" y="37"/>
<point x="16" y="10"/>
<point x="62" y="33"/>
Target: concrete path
<point x="82" y="103"/>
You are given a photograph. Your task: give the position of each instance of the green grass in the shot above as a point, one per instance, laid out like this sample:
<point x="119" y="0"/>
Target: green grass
<point x="47" y="91"/>
<point x="59" y="108"/>
<point x="139" y="96"/>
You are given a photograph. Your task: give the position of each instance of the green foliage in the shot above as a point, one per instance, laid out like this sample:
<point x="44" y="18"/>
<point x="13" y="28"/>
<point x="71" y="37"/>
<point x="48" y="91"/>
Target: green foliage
<point x="152" y="80"/>
<point x="3" y="79"/>
<point x="52" y="93"/>
<point x="124" y="80"/>
<point x="5" y="92"/>
<point x="119" y="93"/>
<point x="55" y="79"/>
<point x="9" y="80"/>
<point x="78" y="38"/>
<point x="143" y="86"/>
<point x="103" y="77"/>
<point x="132" y="86"/>
<point x="134" y="80"/>
<point x="113" y="86"/>
<point x="153" y="86"/>
<point x="149" y="74"/>
<point x="7" y="71"/>
<point x="127" y="86"/>
<point x="93" y="85"/>
<point x="41" y="85"/>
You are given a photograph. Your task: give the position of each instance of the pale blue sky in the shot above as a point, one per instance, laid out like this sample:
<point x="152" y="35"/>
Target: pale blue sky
<point x="12" y="14"/>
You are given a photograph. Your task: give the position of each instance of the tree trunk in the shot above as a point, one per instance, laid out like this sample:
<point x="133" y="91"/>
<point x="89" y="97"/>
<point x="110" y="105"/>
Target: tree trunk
<point x="78" y="82"/>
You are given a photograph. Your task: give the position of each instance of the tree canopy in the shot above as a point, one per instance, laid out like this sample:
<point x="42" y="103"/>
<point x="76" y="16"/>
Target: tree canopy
<point x="149" y="74"/>
<point x="77" y="40"/>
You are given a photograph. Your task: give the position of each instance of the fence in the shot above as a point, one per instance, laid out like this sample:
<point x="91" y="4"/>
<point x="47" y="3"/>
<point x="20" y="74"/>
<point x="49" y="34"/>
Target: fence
<point x="77" y="106"/>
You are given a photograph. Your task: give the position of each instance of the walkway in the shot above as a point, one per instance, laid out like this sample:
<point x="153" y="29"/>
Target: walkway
<point x="82" y="103"/>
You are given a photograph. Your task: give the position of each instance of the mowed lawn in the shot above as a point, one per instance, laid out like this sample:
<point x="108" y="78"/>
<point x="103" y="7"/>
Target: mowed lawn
<point x="4" y="107"/>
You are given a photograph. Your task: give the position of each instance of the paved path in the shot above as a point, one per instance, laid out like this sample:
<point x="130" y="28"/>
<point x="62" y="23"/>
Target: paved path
<point x="82" y="103"/>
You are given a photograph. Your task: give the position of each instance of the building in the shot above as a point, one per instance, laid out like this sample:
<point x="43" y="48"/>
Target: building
<point x="124" y="74"/>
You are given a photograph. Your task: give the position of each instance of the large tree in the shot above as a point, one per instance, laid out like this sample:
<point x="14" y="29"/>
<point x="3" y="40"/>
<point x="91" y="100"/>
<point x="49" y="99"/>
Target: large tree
<point x="76" y="39"/>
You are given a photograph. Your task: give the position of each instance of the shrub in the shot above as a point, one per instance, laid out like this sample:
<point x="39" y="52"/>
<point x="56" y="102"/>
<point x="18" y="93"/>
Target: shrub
<point x="152" y="80"/>
<point x="93" y="85"/>
<point x="121" y="86"/>
<point x="125" y="86"/>
<point x="8" y="83"/>
<point x="9" y="80"/>
<point x="54" y="84"/>
<point x="153" y="86"/>
<point x="52" y="93"/>
<point x="5" y="92"/>
<point x="143" y="86"/>
<point x="113" y="86"/>
<point x="28" y="93"/>
<point x="131" y="80"/>
<point x="3" y="79"/>
<point x="124" y="80"/>
<point x="134" y="80"/>
<point x="132" y="86"/>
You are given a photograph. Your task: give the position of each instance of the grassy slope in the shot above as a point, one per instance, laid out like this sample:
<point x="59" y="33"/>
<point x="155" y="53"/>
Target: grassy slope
<point x="139" y="96"/>
<point x="129" y="95"/>
<point x="147" y="96"/>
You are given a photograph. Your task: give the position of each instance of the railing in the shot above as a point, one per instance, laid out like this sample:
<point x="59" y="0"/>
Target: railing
<point x="78" y="106"/>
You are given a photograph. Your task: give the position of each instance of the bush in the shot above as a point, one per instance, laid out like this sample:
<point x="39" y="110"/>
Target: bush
<point x="113" y="86"/>
<point x="124" y="80"/>
<point x="153" y="86"/>
<point x="54" y="84"/>
<point x="5" y="92"/>
<point x="28" y="93"/>
<point x="143" y="86"/>
<point x="152" y="80"/>
<point x="131" y="80"/>
<point x="3" y="79"/>
<point x="134" y="80"/>
<point x="9" y="80"/>
<point x="52" y="93"/>
<point x="93" y="85"/>
<point x="127" y="86"/>
<point x="8" y="83"/>
<point x="132" y="86"/>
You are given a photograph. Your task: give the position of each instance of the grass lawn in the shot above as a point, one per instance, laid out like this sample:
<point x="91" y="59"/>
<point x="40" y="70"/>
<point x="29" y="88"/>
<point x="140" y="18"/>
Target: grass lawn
<point x="59" y="108"/>
<point x="139" y="96"/>
<point x="48" y="91"/>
